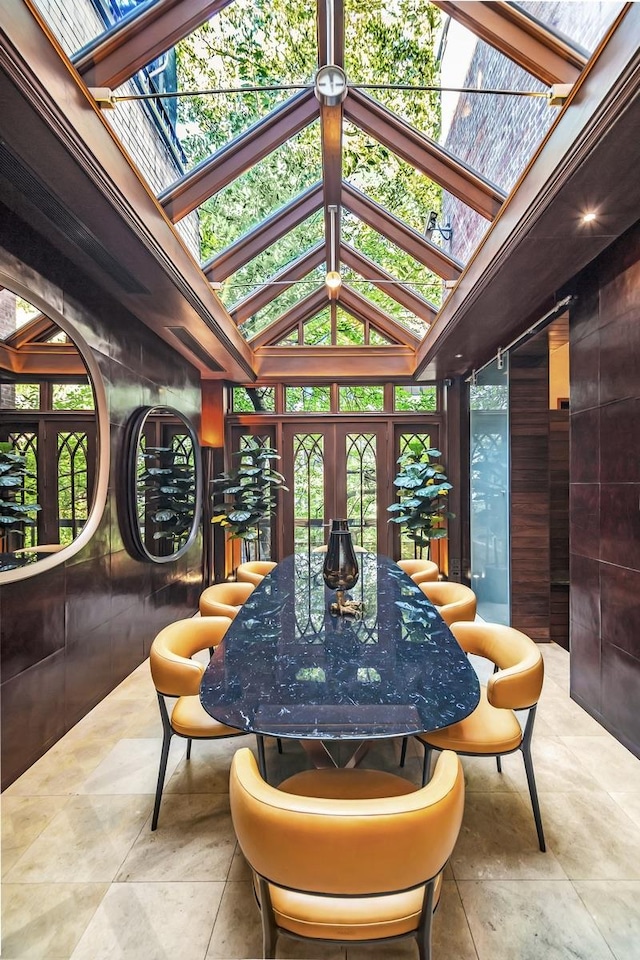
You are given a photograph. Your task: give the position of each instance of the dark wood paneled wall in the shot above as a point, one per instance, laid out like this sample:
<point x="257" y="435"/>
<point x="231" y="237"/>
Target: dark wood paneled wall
<point x="68" y="636"/>
<point x="529" y="430"/>
<point x="605" y="490"/>
<point x="559" y="525"/>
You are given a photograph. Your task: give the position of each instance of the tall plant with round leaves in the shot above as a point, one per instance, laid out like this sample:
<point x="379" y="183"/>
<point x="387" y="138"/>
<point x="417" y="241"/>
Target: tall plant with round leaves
<point x="422" y="491"/>
<point x="249" y="494"/>
<point x="14" y="515"/>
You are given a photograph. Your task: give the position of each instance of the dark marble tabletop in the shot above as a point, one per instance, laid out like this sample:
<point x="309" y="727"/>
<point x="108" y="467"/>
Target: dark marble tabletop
<point x="289" y="668"/>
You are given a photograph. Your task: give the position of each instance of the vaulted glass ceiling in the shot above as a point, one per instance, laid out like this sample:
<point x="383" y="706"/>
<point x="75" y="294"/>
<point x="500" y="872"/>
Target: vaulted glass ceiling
<point x="393" y="186"/>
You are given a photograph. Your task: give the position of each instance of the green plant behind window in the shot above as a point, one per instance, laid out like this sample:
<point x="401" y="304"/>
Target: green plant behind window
<point x="14" y="515"/>
<point x="422" y="490"/>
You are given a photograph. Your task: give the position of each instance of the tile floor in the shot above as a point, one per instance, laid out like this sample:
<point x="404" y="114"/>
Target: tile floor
<point x="84" y="878"/>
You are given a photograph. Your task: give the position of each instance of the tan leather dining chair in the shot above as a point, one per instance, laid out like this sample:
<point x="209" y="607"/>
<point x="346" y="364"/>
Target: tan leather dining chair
<point x="453" y="601"/>
<point x="175" y="674"/>
<point x="347" y="856"/>
<point x="420" y="571"/>
<point x="493" y="728"/>
<point x="254" y="571"/>
<point x="224" y="599"/>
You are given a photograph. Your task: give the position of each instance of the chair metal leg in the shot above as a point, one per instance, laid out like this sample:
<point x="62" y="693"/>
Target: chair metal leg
<point x="164" y="756"/>
<point x="262" y="760"/>
<point x="189" y="742"/>
<point x="499" y="764"/>
<point x="403" y="752"/>
<point x="533" y="793"/>
<point x="279" y="742"/>
<point x="426" y="766"/>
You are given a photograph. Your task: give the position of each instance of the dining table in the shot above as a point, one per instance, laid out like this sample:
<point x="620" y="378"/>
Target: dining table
<point x="290" y="667"/>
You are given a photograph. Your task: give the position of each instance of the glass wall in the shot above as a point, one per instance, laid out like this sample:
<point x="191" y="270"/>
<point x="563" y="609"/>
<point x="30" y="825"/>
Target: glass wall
<point x="490" y="494"/>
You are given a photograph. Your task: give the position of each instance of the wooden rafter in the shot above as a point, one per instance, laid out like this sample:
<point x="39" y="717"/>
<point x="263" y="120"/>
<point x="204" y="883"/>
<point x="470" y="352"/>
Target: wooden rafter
<point x="353" y="364"/>
<point x="331" y="45"/>
<point x="423" y="154"/>
<point x="527" y="42"/>
<point x="256" y="241"/>
<point x="405" y="237"/>
<point x="402" y="294"/>
<point x="278" y="283"/>
<point x="117" y="55"/>
<point x="242" y="153"/>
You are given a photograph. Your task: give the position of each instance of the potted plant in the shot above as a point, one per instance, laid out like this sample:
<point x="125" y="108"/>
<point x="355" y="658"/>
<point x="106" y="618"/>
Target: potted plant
<point x="245" y="497"/>
<point x="14" y="515"/>
<point x="422" y="490"/>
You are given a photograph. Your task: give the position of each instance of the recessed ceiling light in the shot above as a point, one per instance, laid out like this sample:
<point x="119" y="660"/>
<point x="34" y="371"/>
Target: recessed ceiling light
<point x="458" y="356"/>
<point x="588" y="217"/>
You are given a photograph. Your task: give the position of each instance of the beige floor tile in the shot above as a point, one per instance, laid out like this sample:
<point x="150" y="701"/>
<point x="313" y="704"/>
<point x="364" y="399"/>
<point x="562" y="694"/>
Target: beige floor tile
<point x="556" y="664"/>
<point x="240" y="869"/>
<point x="194" y="839"/>
<point x="63" y="769"/>
<point x="564" y="716"/>
<point x="208" y="769"/>
<point x="556" y="768"/>
<point x="152" y="921"/>
<point x="630" y="803"/>
<point x="591" y="836"/>
<point x="237" y="932"/>
<point x="132" y="767"/>
<point x="111" y="722"/>
<point x="612" y="765"/>
<point x="531" y="920"/>
<point x="288" y="949"/>
<point x="23" y="819"/>
<point x="498" y="841"/>
<point x="86" y="842"/>
<point x="46" y="919"/>
<point x="615" y="906"/>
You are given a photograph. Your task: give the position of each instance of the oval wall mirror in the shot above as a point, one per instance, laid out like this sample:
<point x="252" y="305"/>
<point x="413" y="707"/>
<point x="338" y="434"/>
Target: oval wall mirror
<point x="163" y="484"/>
<point x="54" y="461"/>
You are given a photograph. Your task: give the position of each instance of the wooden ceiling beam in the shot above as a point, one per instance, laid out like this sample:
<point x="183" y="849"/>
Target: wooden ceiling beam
<point x="352" y="364"/>
<point x="528" y="43"/>
<point x="367" y="312"/>
<point x="115" y="56"/>
<point x="227" y="164"/>
<point x="368" y="270"/>
<point x="331" y="50"/>
<point x="278" y="283"/>
<point x="423" y="154"/>
<point x="301" y="311"/>
<point x="256" y="241"/>
<point x="397" y="232"/>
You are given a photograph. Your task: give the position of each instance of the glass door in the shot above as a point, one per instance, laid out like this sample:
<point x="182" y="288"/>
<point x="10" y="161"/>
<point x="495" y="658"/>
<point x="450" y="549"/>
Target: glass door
<point x="335" y="470"/>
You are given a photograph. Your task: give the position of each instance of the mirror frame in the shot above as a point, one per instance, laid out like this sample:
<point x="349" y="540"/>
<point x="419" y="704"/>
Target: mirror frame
<point x="127" y="499"/>
<point x="99" y="500"/>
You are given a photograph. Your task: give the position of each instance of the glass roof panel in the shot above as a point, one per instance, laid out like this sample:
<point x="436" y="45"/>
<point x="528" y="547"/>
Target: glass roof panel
<point x="349" y="330"/>
<point x="390" y="306"/>
<point x="14" y="313"/>
<point x="498" y="153"/>
<point x="267" y="186"/>
<point x="582" y="22"/>
<point x="285" y="250"/>
<point x="391" y="258"/>
<point x="467" y="228"/>
<point x="371" y="167"/>
<point x="317" y="330"/>
<point x="280" y="304"/>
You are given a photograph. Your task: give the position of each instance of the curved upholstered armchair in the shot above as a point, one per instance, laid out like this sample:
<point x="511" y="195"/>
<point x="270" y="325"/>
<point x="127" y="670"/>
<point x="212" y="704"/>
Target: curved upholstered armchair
<point x="453" y="601"/>
<point x="347" y="855"/>
<point x="493" y="728"/>
<point x="420" y="571"/>
<point x="224" y="599"/>
<point x="254" y="571"/>
<point x="175" y="674"/>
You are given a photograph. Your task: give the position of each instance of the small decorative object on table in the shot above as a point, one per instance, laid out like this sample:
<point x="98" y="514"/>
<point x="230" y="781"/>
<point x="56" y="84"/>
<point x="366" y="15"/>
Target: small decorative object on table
<point x="340" y="570"/>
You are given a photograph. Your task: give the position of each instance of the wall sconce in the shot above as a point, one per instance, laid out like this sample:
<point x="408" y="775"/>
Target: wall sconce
<point x="432" y="226"/>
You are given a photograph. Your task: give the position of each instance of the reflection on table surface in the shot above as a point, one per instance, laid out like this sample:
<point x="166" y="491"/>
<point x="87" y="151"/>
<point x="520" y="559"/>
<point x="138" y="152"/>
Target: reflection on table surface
<point x="289" y="668"/>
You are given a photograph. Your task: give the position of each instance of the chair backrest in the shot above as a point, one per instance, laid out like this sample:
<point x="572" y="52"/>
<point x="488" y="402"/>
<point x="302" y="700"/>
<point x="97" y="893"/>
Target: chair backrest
<point x="343" y="846"/>
<point x="454" y="601"/>
<point x="224" y="599"/>
<point x="173" y="672"/>
<point x="423" y="569"/>
<point x="518" y="682"/>
<point x="254" y="571"/>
